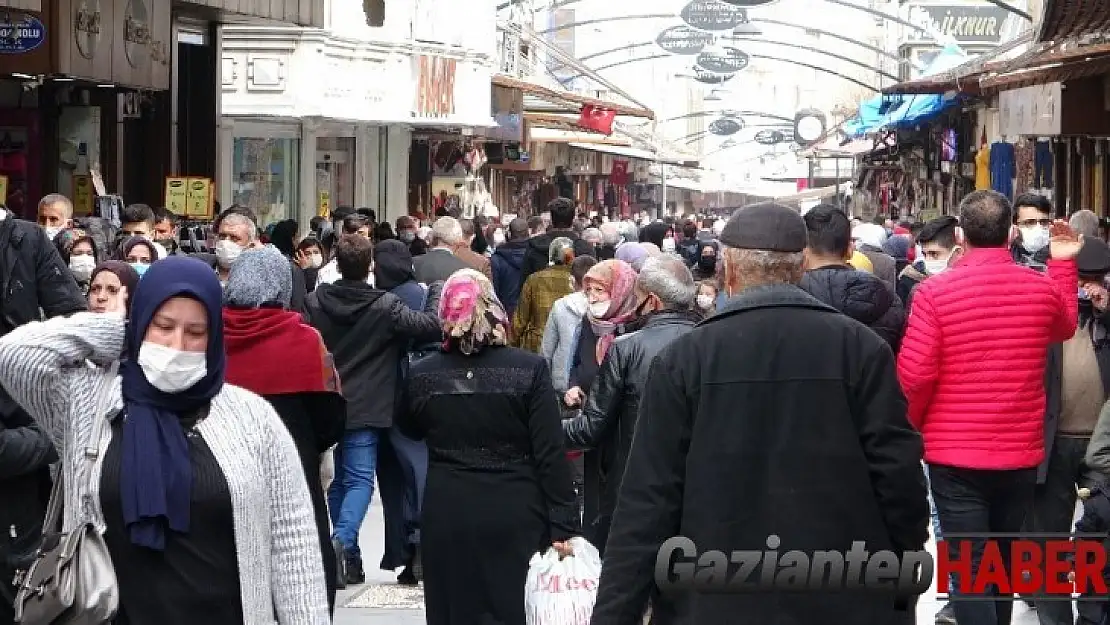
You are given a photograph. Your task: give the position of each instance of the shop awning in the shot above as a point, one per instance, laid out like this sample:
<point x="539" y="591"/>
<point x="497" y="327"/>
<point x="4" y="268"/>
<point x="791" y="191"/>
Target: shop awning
<point x="565" y="101"/>
<point x="1056" y="64"/>
<point x="643" y="155"/>
<point x="1063" y="19"/>
<point x="814" y="194"/>
<point x="22" y="5"/>
<point x="965" y="76"/>
<point x="548" y="121"/>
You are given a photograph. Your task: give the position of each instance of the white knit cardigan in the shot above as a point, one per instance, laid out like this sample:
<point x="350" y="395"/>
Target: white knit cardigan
<point x="44" y="365"/>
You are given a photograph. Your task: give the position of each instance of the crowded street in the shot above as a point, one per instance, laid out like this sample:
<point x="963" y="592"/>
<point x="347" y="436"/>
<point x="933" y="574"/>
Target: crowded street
<point x="554" y="312"/>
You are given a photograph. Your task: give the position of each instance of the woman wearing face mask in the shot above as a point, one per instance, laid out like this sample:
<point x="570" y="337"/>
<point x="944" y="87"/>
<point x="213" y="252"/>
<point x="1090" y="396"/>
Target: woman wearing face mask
<point x="78" y="252"/>
<point x="309" y="257"/>
<point x="610" y="288"/>
<point x="138" y="252"/>
<point x="197" y="483"/>
<point x="109" y="279"/>
<point x="706" y="300"/>
<point x="706" y="267"/>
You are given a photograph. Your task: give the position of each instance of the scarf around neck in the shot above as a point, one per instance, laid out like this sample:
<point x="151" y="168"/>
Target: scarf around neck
<point x="619" y="281"/>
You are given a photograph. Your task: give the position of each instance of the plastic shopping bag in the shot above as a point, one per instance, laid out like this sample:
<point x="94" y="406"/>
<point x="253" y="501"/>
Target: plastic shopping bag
<point x="562" y="592"/>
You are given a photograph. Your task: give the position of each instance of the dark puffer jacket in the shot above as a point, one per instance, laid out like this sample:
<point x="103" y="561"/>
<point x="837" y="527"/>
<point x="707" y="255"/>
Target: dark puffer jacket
<point x="861" y="296"/>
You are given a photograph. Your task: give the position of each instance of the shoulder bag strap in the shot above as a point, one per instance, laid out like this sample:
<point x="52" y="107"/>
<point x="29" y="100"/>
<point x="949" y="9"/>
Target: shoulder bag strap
<point x="53" y="520"/>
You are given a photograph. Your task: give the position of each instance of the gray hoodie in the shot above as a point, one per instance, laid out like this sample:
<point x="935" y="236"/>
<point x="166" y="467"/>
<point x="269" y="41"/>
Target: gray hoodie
<point x="559" y="336"/>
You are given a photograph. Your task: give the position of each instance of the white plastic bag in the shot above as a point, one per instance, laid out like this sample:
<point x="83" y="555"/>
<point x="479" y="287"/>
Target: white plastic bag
<point x="562" y="592"/>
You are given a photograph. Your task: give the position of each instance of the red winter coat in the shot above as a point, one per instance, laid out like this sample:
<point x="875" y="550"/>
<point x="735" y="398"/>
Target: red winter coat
<point x="973" y="358"/>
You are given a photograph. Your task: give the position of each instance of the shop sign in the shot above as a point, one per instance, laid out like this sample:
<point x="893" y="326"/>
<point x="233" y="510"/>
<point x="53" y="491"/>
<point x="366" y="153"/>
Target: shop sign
<point x="20" y="33"/>
<point x="176" y="195"/>
<point x="725" y="127"/>
<point x="684" y="40"/>
<point x="710" y="78"/>
<point x="966" y="23"/>
<point x="769" y="137"/>
<point x="1030" y="111"/>
<point x="712" y="15"/>
<point x="86" y="27"/>
<point x="83" y="194"/>
<point x="190" y="197"/>
<point x="435" y="87"/>
<point x="725" y="61"/>
<point x="323" y="203"/>
<point x="136" y="32"/>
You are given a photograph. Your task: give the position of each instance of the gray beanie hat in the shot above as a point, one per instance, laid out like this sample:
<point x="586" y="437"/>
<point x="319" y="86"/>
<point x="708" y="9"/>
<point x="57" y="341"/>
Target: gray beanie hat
<point x="259" y="276"/>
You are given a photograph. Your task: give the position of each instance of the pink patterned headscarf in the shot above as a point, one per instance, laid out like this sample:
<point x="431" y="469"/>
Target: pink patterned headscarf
<point x="619" y="281"/>
<point x="470" y="313"/>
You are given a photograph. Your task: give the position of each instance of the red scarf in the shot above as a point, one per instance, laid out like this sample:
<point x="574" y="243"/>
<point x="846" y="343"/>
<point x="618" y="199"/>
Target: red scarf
<point x="271" y="351"/>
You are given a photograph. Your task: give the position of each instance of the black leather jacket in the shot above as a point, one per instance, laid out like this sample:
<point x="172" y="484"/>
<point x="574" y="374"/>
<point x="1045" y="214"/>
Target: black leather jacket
<point x="608" y="419"/>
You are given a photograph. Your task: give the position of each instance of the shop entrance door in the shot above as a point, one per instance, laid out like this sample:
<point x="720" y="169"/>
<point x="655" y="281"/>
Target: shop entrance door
<point x="335" y="173"/>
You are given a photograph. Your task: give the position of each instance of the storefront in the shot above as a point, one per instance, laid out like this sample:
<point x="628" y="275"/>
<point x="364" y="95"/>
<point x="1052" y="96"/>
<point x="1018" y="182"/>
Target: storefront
<point x="300" y="135"/>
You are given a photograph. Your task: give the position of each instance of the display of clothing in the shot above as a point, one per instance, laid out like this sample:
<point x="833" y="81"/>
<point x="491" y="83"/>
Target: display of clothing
<point x="983" y="169"/>
<point x="1023" y="159"/>
<point x="1003" y="168"/>
<point x="1043" y="162"/>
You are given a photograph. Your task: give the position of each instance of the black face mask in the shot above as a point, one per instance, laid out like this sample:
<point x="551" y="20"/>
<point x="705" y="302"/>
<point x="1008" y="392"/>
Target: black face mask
<point x="707" y="263"/>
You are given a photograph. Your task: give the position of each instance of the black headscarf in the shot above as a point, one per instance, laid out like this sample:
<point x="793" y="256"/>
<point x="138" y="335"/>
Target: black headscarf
<point x="282" y="237"/>
<point x="392" y="265"/>
<point x="654" y="232"/>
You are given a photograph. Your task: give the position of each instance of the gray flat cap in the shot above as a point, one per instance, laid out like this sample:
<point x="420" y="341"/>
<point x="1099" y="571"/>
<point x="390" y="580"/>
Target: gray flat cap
<point x="769" y="226"/>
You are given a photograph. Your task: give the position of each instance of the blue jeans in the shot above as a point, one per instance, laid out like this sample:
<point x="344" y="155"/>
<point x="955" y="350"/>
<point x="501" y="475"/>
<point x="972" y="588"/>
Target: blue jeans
<point x="936" y="525"/>
<point x="350" y="492"/>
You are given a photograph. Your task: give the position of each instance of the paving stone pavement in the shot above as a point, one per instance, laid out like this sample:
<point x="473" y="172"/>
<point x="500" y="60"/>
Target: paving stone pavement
<point x="380" y="601"/>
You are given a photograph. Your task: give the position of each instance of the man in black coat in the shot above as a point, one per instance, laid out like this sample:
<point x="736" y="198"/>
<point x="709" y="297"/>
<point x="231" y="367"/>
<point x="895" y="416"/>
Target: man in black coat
<point x="506" y="262"/>
<point x="607" y="421"/>
<point x="562" y="222"/>
<point x="778" y="422"/>
<point x="367" y="330"/>
<point x="34" y="282"/>
<point x="828" y="277"/>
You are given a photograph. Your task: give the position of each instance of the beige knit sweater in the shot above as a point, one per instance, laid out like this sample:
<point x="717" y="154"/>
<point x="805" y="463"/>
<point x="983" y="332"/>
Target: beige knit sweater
<point x="44" y="365"/>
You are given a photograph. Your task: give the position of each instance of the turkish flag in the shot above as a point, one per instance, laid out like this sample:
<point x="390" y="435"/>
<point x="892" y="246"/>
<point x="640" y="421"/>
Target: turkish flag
<point x="597" y="119"/>
<point x="619" y="175"/>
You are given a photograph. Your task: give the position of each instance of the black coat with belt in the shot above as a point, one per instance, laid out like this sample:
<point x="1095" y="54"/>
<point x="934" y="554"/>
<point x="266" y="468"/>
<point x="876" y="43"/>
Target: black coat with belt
<point x="367" y="330"/>
<point x="776" y="416"/>
<point x="608" y="419"/>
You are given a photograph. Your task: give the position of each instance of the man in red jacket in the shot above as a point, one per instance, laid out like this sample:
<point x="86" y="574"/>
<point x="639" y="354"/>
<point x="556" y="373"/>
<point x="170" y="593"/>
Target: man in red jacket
<point x="972" y="368"/>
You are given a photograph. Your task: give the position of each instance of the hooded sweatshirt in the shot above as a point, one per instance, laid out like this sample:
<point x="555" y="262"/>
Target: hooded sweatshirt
<point x="367" y="330"/>
<point x="559" y="336"/>
<point x="861" y="296"/>
<point x="505" y="266"/>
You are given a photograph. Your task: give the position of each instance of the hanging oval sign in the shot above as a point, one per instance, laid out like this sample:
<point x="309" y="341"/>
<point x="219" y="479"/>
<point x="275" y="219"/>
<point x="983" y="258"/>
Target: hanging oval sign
<point x="712" y="15"/>
<point x="20" y="33"/>
<point x="707" y="77"/>
<point x="725" y="127"/>
<point x="748" y="4"/>
<point x="769" y="137"/>
<point x="684" y="40"/>
<point x="727" y="61"/>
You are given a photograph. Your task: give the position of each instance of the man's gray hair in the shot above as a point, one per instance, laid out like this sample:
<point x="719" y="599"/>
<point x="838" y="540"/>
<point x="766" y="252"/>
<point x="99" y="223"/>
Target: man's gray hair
<point x="610" y="233"/>
<point x="592" y="235"/>
<point x="763" y="268"/>
<point x="447" y="231"/>
<point x="236" y="219"/>
<point x="55" y="198"/>
<point x="667" y="277"/>
<point x="1085" y="222"/>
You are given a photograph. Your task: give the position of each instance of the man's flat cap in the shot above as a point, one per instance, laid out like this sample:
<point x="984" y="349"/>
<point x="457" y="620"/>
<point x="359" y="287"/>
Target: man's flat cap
<point x="768" y="226"/>
<point x="1093" y="258"/>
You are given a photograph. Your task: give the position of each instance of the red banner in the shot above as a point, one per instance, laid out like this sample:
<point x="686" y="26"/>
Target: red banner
<point x="619" y="175"/>
<point x="597" y="119"/>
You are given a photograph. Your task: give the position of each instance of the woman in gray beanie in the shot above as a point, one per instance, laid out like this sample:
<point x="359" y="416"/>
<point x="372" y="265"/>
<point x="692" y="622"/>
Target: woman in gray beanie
<point x="272" y="352"/>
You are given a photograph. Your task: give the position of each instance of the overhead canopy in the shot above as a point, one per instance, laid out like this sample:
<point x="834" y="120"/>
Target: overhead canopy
<point x="643" y="155"/>
<point x="565" y="101"/>
<point x="902" y="111"/>
<point x="1063" y="19"/>
<point x="965" y="76"/>
<point x="1054" y="64"/>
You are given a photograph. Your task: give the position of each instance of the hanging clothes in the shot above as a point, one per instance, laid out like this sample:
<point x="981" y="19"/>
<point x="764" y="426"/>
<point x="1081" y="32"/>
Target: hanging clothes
<point x="1003" y="168"/>
<point x="983" y="169"/>
<point x="1023" y="159"/>
<point x="1042" y="165"/>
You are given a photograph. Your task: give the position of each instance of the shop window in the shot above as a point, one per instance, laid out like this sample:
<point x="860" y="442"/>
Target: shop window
<point x="266" y="177"/>
<point x="335" y="173"/>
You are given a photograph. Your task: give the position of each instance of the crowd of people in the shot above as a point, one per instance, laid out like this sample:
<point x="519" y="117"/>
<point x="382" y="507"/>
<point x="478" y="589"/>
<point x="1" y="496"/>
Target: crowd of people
<point x="224" y="417"/>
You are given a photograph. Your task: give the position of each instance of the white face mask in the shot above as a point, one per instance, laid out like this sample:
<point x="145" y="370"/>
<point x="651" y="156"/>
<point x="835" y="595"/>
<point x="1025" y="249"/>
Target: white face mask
<point x="598" y="309"/>
<point x="1034" y="239"/>
<point x="51" y="232"/>
<point x="315" y="260"/>
<point x="933" y="267"/>
<point x="705" y="302"/>
<point x="170" y="370"/>
<point x="82" y="266"/>
<point x="498" y="238"/>
<point x="227" y="252"/>
<point x="669" y="245"/>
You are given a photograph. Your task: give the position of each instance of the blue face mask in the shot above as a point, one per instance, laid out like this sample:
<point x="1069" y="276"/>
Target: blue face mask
<point x="140" y="268"/>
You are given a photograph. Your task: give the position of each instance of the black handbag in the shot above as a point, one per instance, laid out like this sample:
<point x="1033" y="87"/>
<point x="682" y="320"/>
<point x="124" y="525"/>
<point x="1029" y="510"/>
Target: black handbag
<point x="72" y="580"/>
